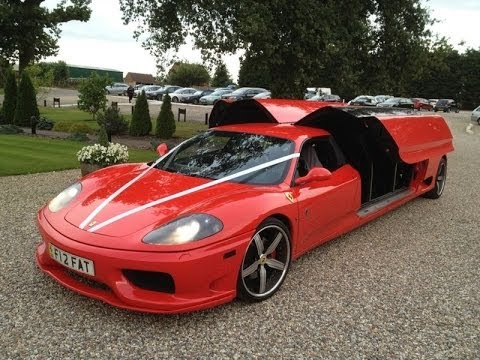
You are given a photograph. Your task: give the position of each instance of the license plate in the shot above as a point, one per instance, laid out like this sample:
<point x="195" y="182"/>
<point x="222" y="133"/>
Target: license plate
<point x="71" y="261"/>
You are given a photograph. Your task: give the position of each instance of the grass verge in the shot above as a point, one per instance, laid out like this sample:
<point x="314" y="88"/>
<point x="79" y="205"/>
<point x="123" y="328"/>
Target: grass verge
<point x="74" y="115"/>
<point x="20" y="154"/>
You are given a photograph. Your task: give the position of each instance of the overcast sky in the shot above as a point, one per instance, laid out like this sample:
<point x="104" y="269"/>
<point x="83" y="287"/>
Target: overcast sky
<point x="105" y="42"/>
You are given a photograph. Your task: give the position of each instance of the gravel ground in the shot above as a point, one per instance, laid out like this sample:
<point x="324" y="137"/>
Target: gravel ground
<point x="404" y="286"/>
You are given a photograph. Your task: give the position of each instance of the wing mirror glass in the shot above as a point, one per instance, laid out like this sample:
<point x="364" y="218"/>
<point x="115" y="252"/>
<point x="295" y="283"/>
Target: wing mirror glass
<point x="162" y="149"/>
<point x="316" y="174"/>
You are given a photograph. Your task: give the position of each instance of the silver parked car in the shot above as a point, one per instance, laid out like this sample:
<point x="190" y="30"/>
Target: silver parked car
<point x="476" y="115"/>
<point x="117" y="89"/>
<point x="148" y="89"/>
<point x="214" y="97"/>
<point x="180" y="94"/>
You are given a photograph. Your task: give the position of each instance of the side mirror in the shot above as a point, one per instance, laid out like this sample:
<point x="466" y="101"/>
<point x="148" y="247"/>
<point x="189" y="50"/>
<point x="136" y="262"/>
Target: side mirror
<point x="162" y="149"/>
<point x="316" y="174"/>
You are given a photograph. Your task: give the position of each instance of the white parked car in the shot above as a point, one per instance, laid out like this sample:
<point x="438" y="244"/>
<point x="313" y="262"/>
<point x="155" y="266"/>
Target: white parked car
<point x="476" y="115"/>
<point x="117" y="89"/>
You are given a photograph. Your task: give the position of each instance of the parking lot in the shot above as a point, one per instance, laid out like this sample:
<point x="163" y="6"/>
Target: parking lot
<point x="404" y="286"/>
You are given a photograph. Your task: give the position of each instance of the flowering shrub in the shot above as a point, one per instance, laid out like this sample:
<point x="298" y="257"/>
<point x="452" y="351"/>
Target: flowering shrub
<point x="103" y="155"/>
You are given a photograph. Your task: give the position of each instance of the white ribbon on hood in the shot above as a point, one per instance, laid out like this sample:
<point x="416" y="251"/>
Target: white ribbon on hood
<point x="174" y="196"/>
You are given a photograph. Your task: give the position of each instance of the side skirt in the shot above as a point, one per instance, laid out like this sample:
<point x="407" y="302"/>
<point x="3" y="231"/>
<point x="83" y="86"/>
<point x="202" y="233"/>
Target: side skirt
<point x="378" y="204"/>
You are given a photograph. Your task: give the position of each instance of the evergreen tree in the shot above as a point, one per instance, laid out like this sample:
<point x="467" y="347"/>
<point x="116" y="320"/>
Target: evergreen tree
<point x="141" y="124"/>
<point x="165" y="121"/>
<point x="221" y="76"/>
<point x="103" y="137"/>
<point x="26" y="102"/>
<point x="10" y="99"/>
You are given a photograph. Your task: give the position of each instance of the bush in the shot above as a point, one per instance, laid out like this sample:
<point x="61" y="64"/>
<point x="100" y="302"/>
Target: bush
<point x="45" y="124"/>
<point x="62" y="126"/>
<point x="112" y="119"/>
<point x="78" y="137"/>
<point x="81" y="128"/>
<point x="141" y="123"/>
<point x="103" y="137"/>
<point x="10" y="99"/>
<point x="165" y="121"/>
<point x="10" y="129"/>
<point x="67" y="126"/>
<point x="26" y="102"/>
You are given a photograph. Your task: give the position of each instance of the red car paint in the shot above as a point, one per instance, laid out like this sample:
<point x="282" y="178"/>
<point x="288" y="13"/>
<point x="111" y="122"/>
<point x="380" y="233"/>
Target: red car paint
<point x="205" y="272"/>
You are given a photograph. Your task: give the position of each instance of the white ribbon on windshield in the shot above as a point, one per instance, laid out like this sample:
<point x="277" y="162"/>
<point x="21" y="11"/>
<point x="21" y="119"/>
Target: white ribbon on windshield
<point x="192" y="190"/>
<point x="120" y="190"/>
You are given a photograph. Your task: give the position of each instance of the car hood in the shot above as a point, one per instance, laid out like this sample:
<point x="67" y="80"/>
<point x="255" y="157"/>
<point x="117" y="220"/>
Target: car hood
<point x="154" y="185"/>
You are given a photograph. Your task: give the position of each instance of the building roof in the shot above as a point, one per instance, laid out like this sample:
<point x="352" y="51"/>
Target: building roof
<point x="140" y="78"/>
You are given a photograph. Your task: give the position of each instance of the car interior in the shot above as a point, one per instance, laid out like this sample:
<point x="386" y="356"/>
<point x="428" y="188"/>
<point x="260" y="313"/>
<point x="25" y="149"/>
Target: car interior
<point x="368" y="147"/>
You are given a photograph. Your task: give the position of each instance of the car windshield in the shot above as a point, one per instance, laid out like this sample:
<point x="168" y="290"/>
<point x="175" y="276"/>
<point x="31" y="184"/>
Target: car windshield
<point x="442" y="102"/>
<point x="217" y="154"/>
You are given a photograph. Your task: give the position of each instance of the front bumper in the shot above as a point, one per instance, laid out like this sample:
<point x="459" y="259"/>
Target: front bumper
<point x="203" y="278"/>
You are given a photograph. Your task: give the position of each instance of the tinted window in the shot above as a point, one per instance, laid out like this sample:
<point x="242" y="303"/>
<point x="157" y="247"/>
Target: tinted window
<point x="216" y="154"/>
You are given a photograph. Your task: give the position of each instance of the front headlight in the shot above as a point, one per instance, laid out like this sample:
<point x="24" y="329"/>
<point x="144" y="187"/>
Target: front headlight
<point x="184" y="230"/>
<point x="64" y="198"/>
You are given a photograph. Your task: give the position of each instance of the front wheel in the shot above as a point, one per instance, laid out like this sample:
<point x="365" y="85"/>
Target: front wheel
<point x="174" y="99"/>
<point x="440" y="180"/>
<point x="266" y="261"/>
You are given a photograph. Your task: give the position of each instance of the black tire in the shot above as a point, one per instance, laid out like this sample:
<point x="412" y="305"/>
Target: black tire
<point x="478" y="121"/>
<point x="195" y="101"/>
<point x="174" y="99"/>
<point x="266" y="261"/>
<point x="440" y="180"/>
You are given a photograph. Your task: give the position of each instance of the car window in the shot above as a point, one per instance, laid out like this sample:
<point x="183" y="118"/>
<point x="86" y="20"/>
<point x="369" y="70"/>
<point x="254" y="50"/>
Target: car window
<point x="216" y="154"/>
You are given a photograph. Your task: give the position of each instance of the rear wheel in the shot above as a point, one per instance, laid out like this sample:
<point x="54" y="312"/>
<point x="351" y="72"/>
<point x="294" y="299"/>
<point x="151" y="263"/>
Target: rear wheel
<point x="195" y="101"/>
<point x="266" y="261"/>
<point x="440" y="180"/>
<point x="174" y="99"/>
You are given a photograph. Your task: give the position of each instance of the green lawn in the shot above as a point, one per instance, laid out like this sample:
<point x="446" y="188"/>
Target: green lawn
<point x="72" y="114"/>
<point x="22" y="154"/>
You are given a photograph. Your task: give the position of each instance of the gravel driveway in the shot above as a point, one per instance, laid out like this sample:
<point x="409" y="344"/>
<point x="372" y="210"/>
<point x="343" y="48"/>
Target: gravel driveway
<point x="404" y="286"/>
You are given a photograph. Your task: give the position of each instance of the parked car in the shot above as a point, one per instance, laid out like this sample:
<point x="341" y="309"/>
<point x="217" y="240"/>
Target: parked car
<point x="167" y="89"/>
<point x="446" y="105"/>
<point x="476" y="115"/>
<point x="117" y="89"/>
<point x="422" y="104"/>
<point x="225" y="213"/>
<point x="263" y="95"/>
<point x="214" y="97"/>
<point x="326" y="98"/>
<point x="382" y="98"/>
<point x="397" y="102"/>
<point x="432" y="102"/>
<point x="147" y="88"/>
<point x="363" y="100"/>
<point x="179" y="94"/>
<point x="244" y="93"/>
<point x="195" y="97"/>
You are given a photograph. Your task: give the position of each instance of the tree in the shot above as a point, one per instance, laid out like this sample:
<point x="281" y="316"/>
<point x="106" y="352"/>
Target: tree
<point x="221" y="76"/>
<point x="165" y="127"/>
<point x="30" y="31"/>
<point x="60" y="73"/>
<point x="10" y="99"/>
<point x="26" y="102"/>
<point x="351" y="45"/>
<point x="186" y="74"/>
<point x="91" y="94"/>
<point x="254" y="71"/>
<point x="141" y="123"/>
